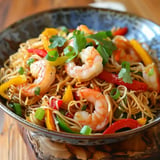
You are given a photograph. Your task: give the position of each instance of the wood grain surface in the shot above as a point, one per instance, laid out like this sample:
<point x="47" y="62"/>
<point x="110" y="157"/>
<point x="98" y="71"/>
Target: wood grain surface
<point x="12" y="146"/>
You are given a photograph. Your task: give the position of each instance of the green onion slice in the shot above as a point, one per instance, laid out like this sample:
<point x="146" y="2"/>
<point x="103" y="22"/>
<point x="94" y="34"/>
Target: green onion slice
<point x="115" y="94"/>
<point x="37" y="91"/>
<point x="39" y="114"/>
<point x="52" y="55"/>
<point x="30" y="61"/>
<point x="17" y="109"/>
<point x="86" y="130"/>
<point x="21" y="70"/>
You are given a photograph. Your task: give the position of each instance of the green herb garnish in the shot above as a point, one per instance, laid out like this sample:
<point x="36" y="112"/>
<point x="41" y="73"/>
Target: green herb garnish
<point x="105" y="45"/>
<point x="125" y="72"/>
<point x="56" y="41"/>
<point x="30" y="61"/>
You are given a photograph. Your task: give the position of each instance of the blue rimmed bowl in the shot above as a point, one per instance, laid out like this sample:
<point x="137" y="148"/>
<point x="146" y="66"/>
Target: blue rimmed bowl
<point x="97" y="19"/>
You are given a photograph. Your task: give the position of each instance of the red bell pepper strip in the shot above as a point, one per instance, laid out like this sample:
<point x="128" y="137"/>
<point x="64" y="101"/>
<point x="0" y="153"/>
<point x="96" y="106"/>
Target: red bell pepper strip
<point x="56" y="103"/>
<point x="120" y="124"/>
<point x="113" y="78"/>
<point x="120" y="31"/>
<point x="40" y="52"/>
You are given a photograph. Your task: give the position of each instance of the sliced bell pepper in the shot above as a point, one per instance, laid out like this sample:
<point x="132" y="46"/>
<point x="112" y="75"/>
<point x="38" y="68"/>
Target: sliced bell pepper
<point x="56" y="103"/>
<point x="40" y="52"/>
<point x="68" y="95"/>
<point x="63" y="125"/>
<point x="113" y="78"/>
<point x="59" y="61"/>
<point x="147" y="60"/>
<point x="47" y="34"/>
<point x="120" y="124"/>
<point x="120" y="31"/>
<point x="49" y="120"/>
<point x="20" y="79"/>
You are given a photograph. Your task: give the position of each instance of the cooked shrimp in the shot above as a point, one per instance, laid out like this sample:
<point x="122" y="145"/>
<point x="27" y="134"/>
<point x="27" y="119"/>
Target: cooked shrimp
<point x="100" y="116"/>
<point x="91" y="68"/>
<point x="124" y="52"/>
<point x="44" y="75"/>
<point x="85" y="29"/>
<point x="151" y="76"/>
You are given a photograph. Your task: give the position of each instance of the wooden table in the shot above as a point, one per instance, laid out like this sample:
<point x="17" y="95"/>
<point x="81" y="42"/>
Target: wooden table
<point x="12" y="146"/>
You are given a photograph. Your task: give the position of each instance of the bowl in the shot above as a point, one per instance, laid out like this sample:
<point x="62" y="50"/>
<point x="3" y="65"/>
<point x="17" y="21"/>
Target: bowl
<point x="98" y="19"/>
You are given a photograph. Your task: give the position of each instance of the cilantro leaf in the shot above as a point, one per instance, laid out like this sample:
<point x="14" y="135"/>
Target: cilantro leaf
<point x="79" y="41"/>
<point x="125" y="72"/>
<point x="56" y="41"/>
<point x="103" y="53"/>
<point x="105" y="46"/>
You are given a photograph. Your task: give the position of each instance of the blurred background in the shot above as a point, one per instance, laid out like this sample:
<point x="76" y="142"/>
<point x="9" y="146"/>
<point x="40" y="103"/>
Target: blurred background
<point x="12" y="147"/>
<point x="14" y="10"/>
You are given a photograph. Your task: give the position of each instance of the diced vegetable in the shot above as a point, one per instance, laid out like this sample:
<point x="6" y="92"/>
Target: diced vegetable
<point x="52" y="55"/>
<point x="86" y="130"/>
<point x="30" y="61"/>
<point x="37" y="91"/>
<point x="21" y="70"/>
<point x="39" y="114"/>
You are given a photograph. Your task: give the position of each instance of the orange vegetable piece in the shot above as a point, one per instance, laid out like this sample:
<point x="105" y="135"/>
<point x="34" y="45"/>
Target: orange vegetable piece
<point x="49" y="120"/>
<point x="68" y="95"/>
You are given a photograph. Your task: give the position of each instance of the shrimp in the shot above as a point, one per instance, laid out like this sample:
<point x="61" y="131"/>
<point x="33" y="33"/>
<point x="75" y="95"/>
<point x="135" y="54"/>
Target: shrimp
<point x="100" y="117"/>
<point x="151" y="76"/>
<point x="85" y="29"/>
<point x="124" y="52"/>
<point x="44" y="75"/>
<point x="91" y="68"/>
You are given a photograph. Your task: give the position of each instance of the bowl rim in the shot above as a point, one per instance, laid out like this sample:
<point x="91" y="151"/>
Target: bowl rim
<point x="65" y="134"/>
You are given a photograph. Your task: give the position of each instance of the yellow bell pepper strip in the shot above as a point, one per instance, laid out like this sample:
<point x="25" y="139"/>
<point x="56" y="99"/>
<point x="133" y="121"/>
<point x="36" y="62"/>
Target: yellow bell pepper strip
<point x="147" y="60"/>
<point x="120" y="124"/>
<point x="68" y="95"/>
<point x="20" y="79"/>
<point x="59" y="61"/>
<point x="47" y="34"/>
<point x="49" y="120"/>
